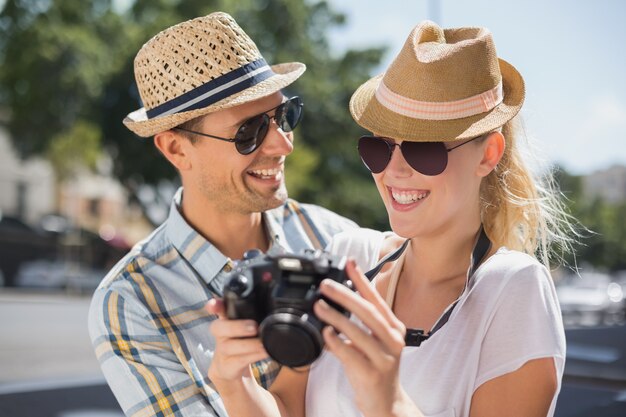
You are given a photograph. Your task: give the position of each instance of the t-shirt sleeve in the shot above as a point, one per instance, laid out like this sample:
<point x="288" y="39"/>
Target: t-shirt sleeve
<point x="363" y="245"/>
<point x="525" y="324"/>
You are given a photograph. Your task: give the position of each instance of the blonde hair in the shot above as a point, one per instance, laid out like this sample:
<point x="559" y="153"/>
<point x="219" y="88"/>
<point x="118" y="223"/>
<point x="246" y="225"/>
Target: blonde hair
<point x="523" y="211"/>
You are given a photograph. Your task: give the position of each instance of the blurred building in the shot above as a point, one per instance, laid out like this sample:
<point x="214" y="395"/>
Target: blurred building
<point x="100" y="203"/>
<point x="92" y="201"/>
<point x="608" y="184"/>
<point x="26" y="186"/>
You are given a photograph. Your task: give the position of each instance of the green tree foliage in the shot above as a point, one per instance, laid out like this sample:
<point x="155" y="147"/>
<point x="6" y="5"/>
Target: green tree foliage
<point x="54" y="58"/>
<point x="66" y="83"/>
<point x="69" y="63"/>
<point x="604" y="243"/>
<point x="75" y="149"/>
<point x="607" y="247"/>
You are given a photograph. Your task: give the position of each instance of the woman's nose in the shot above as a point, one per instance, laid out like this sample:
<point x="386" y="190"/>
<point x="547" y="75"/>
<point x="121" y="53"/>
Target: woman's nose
<point x="398" y="167"/>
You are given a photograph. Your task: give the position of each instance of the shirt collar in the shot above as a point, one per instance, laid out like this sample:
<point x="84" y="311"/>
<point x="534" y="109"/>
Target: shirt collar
<point x="274" y="221"/>
<point x="205" y="259"/>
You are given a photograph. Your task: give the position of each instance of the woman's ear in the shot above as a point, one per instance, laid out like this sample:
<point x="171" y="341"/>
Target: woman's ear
<point x="493" y="149"/>
<point x="174" y="148"/>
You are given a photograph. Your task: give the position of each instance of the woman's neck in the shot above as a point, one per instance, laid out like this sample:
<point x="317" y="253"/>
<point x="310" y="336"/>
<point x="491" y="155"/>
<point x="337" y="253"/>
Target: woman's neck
<point x="440" y="257"/>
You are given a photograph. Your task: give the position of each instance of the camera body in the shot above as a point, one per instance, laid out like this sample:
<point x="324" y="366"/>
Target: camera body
<point x="278" y="292"/>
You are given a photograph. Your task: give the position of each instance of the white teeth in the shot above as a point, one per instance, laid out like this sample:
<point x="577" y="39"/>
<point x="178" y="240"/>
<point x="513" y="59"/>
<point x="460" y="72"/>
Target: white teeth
<point x="266" y="172"/>
<point x="408" y="198"/>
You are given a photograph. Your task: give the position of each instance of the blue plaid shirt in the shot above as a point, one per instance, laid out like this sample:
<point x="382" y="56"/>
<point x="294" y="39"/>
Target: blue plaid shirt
<point x="147" y="320"/>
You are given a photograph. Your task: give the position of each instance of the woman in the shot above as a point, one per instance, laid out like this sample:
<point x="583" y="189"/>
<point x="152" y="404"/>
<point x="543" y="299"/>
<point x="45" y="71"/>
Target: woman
<point x="466" y="321"/>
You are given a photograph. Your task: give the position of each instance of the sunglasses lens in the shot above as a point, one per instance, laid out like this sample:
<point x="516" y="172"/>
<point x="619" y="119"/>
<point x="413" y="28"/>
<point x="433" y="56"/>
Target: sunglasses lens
<point x="289" y="114"/>
<point x="253" y="131"/>
<point x="428" y="158"/>
<point x="251" y="134"/>
<point x="375" y="153"/>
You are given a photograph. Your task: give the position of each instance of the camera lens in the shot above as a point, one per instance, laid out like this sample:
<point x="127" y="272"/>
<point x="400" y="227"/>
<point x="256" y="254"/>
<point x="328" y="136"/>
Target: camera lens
<point x="290" y="339"/>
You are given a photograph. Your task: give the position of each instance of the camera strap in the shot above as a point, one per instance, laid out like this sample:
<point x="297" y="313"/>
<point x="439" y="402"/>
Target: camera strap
<point x="390" y="257"/>
<point x="415" y="337"/>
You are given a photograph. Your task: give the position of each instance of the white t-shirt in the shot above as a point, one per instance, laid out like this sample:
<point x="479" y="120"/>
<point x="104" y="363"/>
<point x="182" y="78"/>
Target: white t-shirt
<point x="509" y="316"/>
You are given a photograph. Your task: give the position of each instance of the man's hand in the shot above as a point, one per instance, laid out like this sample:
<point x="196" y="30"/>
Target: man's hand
<point x="236" y="347"/>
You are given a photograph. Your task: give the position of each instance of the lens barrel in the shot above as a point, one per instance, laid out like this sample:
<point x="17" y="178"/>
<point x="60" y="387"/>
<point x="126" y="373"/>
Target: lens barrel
<point x="292" y="340"/>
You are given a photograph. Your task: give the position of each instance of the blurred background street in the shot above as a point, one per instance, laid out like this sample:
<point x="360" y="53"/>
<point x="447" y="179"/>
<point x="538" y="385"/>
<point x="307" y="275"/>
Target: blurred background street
<point x="48" y="338"/>
<point x="49" y="369"/>
<point x="47" y="365"/>
<point x="77" y="189"/>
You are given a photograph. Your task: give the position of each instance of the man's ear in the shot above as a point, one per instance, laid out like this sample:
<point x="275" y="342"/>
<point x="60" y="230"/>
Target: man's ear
<point x="174" y="147"/>
<point x="493" y="149"/>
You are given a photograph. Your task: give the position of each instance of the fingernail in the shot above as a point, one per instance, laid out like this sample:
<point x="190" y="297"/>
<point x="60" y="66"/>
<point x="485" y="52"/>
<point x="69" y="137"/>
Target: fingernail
<point x="328" y="283"/>
<point x="354" y="266"/>
<point x="330" y="332"/>
<point x="323" y="305"/>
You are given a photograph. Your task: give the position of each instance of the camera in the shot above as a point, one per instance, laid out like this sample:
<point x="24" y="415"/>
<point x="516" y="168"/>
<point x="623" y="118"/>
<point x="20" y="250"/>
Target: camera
<point x="278" y="292"/>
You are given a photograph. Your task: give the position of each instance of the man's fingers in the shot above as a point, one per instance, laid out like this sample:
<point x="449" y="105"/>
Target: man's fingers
<point x="233" y="329"/>
<point x="215" y="306"/>
<point x="244" y="348"/>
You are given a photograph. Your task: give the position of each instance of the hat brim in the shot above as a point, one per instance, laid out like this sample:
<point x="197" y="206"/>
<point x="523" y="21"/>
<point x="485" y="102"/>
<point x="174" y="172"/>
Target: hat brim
<point x="284" y="74"/>
<point x="373" y="116"/>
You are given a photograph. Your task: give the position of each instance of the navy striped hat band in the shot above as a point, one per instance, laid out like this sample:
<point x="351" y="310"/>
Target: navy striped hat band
<point x="215" y="90"/>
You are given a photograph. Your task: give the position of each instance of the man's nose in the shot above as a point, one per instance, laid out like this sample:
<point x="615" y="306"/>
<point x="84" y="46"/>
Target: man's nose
<point x="277" y="142"/>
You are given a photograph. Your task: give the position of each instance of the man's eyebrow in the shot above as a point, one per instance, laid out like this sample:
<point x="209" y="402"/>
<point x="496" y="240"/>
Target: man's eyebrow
<point x="238" y="123"/>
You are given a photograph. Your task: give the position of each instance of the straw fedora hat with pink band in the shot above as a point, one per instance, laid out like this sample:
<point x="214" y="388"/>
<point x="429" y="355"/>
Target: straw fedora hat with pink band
<point x="198" y="67"/>
<point x="444" y="85"/>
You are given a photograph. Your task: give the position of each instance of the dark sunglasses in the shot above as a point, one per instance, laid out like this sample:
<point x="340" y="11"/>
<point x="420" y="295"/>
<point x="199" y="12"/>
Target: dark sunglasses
<point x="252" y="132"/>
<point x="428" y="158"/>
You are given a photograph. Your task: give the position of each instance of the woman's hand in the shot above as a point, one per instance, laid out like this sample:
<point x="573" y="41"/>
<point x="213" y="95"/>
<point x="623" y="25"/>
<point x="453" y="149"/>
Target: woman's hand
<point x="371" y="359"/>
<point x="236" y="347"/>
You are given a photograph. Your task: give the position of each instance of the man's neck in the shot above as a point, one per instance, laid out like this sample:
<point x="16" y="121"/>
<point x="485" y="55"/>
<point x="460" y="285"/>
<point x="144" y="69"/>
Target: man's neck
<point x="230" y="232"/>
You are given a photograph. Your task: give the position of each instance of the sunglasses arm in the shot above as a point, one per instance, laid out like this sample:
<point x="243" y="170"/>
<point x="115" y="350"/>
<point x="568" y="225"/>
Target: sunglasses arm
<point x="204" y="134"/>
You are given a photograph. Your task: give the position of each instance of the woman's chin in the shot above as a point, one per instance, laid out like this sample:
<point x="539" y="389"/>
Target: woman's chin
<point x="403" y="229"/>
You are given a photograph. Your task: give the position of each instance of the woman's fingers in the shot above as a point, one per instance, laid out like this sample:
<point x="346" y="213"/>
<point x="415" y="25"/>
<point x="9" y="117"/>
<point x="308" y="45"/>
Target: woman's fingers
<point x="368" y="292"/>
<point x="388" y="333"/>
<point x="345" y="350"/>
<point x="359" y="337"/>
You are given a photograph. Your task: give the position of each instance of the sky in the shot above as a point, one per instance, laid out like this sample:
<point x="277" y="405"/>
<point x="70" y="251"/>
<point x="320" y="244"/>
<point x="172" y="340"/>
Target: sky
<point x="571" y="53"/>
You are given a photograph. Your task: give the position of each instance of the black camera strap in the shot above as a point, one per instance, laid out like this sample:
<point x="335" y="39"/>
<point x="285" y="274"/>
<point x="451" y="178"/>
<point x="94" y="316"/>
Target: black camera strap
<point x="415" y="337"/>
<point x="389" y="258"/>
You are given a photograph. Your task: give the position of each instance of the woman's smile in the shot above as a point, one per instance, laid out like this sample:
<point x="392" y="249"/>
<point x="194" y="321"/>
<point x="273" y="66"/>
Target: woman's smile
<point x="405" y="199"/>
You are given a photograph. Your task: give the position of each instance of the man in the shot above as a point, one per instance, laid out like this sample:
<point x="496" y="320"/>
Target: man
<point x="216" y="112"/>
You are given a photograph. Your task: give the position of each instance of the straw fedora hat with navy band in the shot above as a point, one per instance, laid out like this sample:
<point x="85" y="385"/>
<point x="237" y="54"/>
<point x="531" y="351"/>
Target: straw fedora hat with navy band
<point x="444" y="85"/>
<point x="198" y="67"/>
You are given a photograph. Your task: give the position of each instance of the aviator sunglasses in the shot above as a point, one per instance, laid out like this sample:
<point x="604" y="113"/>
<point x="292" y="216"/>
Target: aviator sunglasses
<point x="252" y="132"/>
<point x="428" y="158"/>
